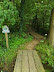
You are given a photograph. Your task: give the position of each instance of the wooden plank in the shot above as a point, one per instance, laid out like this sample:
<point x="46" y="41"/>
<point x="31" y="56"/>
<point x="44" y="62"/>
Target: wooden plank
<point x="25" y="64"/>
<point x="18" y="63"/>
<point x="32" y="64"/>
<point x="30" y="52"/>
<point x="36" y="35"/>
<point x="20" y="52"/>
<point x="28" y="61"/>
<point x="25" y="52"/>
<point x="38" y="63"/>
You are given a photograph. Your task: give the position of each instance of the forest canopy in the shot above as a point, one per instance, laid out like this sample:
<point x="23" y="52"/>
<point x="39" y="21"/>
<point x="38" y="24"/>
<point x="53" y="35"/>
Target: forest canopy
<point x="21" y="12"/>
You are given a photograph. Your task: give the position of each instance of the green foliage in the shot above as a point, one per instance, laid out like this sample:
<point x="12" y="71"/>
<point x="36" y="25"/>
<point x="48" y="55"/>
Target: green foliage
<point x="48" y="70"/>
<point x="7" y="55"/>
<point x="46" y="53"/>
<point x="9" y="14"/>
<point x="38" y="12"/>
<point x="41" y="20"/>
<point x="28" y="11"/>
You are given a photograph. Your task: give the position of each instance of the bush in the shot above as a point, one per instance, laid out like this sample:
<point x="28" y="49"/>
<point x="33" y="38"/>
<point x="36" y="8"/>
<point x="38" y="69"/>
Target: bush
<point x="41" y="21"/>
<point x="46" y="53"/>
<point x="9" y="14"/>
<point x="7" y="55"/>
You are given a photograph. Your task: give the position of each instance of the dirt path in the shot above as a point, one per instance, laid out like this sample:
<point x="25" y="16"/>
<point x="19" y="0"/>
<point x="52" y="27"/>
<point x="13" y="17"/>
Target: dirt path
<point x="31" y="45"/>
<point x="25" y="60"/>
<point x="36" y="41"/>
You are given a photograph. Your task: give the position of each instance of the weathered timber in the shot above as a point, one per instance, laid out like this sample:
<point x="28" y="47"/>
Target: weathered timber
<point x="33" y="33"/>
<point x="32" y="66"/>
<point x="25" y="64"/>
<point x="38" y="63"/>
<point x="36" y="35"/>
<point x="18" y="63"/>
<point x="28" y="61"/>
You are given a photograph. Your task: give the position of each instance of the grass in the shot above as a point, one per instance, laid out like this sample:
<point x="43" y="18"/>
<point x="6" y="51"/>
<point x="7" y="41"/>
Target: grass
<point x="15" y="41"/>
<point x="48" y="70"/>
<point x="46" y="53"/>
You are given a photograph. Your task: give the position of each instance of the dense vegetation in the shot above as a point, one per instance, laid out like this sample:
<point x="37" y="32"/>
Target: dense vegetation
<point x="8" y="14"/>
<point x="8" y="55"/>
<point x="41" y="21"/>
<point x="19" y="13"/>
<point x="46" y="52"/>
<point x="16" y="14"/>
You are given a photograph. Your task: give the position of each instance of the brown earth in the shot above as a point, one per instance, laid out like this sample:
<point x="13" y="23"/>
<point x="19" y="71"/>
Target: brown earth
<point x="32" y="44"/>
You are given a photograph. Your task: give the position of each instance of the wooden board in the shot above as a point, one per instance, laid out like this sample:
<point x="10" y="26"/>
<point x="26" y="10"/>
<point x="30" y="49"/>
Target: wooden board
<point x="28" y="61"/>
<point x="18" y="63"/>
<point x="38" y="63"/>
<point x="32" y="64"/>
<point x="25" y="64"/>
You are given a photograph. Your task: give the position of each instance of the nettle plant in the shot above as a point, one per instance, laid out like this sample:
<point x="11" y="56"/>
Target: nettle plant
<point x="9" y="14"/>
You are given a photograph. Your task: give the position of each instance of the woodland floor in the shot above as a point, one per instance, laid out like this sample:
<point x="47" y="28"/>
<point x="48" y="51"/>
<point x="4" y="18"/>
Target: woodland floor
<point x="36" y="41"/>
<point x="29" y="46"/>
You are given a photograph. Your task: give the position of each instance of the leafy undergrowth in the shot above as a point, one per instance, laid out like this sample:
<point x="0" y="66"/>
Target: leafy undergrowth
<point x="46" y="52"/>
<point x="15" y="40"/>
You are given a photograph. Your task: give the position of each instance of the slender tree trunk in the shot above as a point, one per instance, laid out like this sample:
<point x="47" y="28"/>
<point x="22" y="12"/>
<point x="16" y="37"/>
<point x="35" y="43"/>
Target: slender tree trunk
<point x="12" y="0"/>
<point x="21" y="15"/>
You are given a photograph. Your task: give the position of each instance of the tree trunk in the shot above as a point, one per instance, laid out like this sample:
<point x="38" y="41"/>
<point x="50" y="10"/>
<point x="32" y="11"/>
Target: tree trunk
<point x="51" y="33"/>
<point x="21" y="15"/>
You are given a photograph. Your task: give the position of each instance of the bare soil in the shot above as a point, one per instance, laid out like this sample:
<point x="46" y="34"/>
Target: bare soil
<point x="32" y="44"/>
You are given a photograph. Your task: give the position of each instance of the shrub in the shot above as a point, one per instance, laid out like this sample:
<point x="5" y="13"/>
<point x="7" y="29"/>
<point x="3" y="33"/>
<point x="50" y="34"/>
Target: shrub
<point x="46" y="53"/>
<point x="9" y="14"/>
<point x="7" y="55"/>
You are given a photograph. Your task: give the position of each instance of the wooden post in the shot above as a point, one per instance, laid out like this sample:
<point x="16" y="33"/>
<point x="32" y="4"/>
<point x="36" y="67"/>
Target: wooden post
<point x="6" y="36"/>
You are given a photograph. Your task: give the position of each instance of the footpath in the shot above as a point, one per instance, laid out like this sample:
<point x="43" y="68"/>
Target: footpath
<point x="28" y="60"/>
